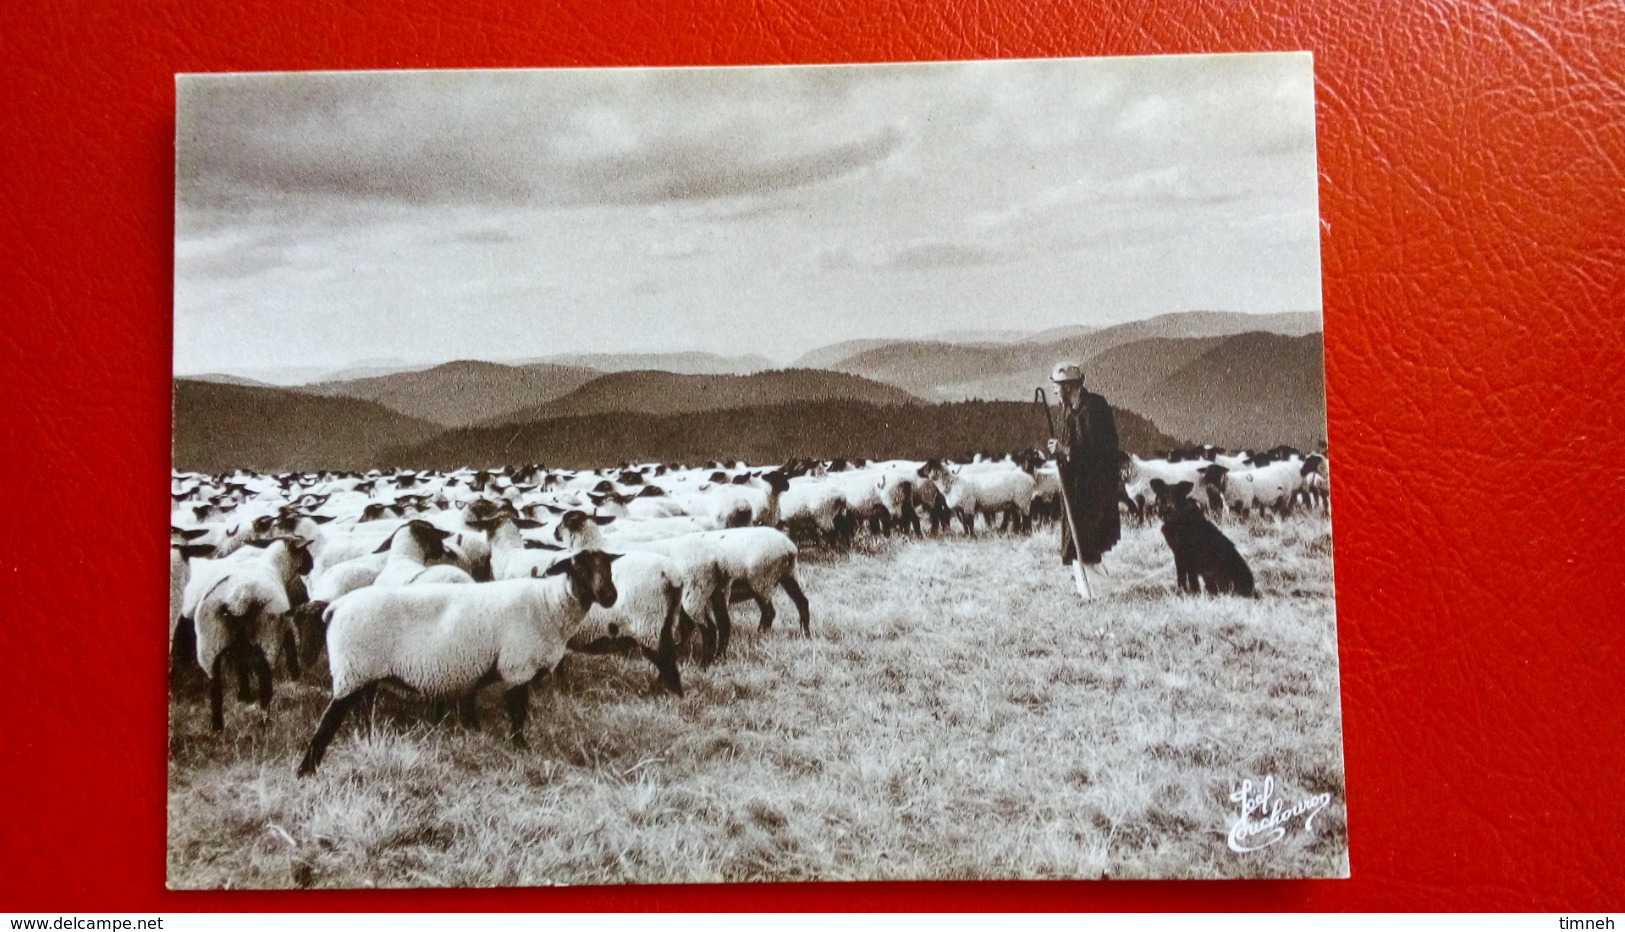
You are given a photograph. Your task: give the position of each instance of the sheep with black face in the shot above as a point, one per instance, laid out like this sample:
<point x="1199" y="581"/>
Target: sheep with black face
<point x="446" y="640"/>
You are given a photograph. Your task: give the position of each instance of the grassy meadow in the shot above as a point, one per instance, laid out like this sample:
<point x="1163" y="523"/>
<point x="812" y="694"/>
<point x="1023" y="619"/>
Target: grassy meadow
<point x="958" y="713"/>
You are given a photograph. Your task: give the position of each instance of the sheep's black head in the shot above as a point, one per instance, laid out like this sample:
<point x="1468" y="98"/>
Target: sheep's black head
<point x="576" y="521"/>
<point x="193" y="551"/>
<point x="591" y="580"/>
<point x="298" y="549"/>
<point x="777" y="480"/>
<point x="480" y="513"/>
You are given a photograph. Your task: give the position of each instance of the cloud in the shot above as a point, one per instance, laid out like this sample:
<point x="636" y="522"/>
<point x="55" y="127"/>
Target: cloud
<point x="927" y="252"/>
<point x="537" y="138"/>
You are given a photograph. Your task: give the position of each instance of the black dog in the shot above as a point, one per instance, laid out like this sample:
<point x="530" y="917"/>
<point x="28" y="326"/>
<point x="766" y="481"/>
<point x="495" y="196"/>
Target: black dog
<point x="1201" y="551"/>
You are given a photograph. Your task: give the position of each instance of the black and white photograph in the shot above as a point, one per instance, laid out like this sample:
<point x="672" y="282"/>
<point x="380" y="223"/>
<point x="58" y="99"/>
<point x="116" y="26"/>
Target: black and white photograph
<point x="796" y="473"/>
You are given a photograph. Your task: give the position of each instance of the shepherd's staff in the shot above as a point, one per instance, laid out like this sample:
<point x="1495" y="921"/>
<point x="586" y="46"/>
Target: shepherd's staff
<point x="1080" y="579"/>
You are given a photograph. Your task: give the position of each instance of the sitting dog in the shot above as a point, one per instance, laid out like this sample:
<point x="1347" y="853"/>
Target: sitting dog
<point x="1201" y="551"/>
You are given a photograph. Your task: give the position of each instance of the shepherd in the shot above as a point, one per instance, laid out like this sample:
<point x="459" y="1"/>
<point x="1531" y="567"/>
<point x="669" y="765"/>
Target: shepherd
<point x="1087" y="458"/>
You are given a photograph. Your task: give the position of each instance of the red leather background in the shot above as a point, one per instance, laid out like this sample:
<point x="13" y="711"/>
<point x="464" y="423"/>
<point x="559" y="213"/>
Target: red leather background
<point x="1473" y="190"/>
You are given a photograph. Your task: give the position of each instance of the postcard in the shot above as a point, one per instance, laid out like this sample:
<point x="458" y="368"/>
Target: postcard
<point x="849" y="472"/>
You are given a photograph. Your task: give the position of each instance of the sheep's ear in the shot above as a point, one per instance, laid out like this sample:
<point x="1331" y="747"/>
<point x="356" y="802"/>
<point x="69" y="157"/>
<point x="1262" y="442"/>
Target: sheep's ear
<point x="189" y="533"/>
<point x="261" y="544"/>
<point x="554" y="508"/>
<point x="602" y="519"/>
<point x="192" y="551"/>
<point x="557" y="569"/>
<point x="527" y="523"/>
<point x="538" y="545"/>
<point x="381" y="547"/>
<point x="1157" y="485"/>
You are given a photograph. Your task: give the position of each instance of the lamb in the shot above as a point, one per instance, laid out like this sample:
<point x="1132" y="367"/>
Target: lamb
<point x="447" y="640"/>
<point x="1201" y="551"/>
<point x="239" y="607"/>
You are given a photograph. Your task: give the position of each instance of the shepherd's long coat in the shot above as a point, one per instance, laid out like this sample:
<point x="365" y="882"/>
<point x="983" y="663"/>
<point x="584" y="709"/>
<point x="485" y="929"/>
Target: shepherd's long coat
<point x="1091" y="479"/>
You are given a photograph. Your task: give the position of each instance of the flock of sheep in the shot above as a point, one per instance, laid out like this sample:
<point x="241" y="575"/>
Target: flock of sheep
<point x="449" y="581"/>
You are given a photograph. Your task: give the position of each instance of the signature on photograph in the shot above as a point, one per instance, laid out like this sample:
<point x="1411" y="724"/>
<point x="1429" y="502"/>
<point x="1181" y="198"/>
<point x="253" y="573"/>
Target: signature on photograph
<point x="1263" y="820"/>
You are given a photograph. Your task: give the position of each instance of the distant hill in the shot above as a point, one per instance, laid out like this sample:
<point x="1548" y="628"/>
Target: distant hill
<point x="288" y="376"/>
<point x="372" y="368"/>
<point x="457" y="394"/>
<point x="222" y="378"/>
<point x="1058" y="333"/>
<point x="761" y="434"/>
<point x="825" y="357"/>
<point x="924" y="367"/>
<point x="979" y="336"/>
<point x="666" y="393"/>
<point x="220" y="427"/>
<point x="1185" y="324"/>
<point x="1252" y="389"/>
<point x="690" y="363"/>
<point x="1123" y="373"/>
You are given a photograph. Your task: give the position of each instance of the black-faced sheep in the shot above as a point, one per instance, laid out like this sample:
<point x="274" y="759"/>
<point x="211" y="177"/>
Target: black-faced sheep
<point x="697" y="566"/>
<point x="239" y="606"/>
<point x="447" y="640"/>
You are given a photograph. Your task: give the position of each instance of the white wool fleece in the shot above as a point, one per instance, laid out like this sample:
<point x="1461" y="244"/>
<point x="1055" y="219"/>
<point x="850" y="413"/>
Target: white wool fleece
<point x="441" y="638"/>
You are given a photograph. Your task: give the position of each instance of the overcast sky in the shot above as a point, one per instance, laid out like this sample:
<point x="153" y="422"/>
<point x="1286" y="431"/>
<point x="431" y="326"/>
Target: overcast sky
<point x="328" y="218"/>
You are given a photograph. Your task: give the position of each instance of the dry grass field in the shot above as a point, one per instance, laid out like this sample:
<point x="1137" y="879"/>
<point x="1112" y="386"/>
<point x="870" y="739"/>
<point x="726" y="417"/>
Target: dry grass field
<point x="957" y="713"/>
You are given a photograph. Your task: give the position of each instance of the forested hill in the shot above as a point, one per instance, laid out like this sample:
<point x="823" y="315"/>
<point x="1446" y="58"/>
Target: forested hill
<point x="761" y="434"/>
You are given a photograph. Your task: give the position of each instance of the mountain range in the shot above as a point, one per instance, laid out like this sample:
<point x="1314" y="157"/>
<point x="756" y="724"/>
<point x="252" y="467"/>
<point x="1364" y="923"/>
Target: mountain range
<point x="456" y="394"/>
<point x="1232" y="379"/>
<point x="683" y="363"/>
<point x="666" y="393"/>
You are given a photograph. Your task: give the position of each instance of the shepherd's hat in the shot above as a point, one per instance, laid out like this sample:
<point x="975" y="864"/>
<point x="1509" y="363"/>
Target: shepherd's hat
<point x="1066" y="372"/>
